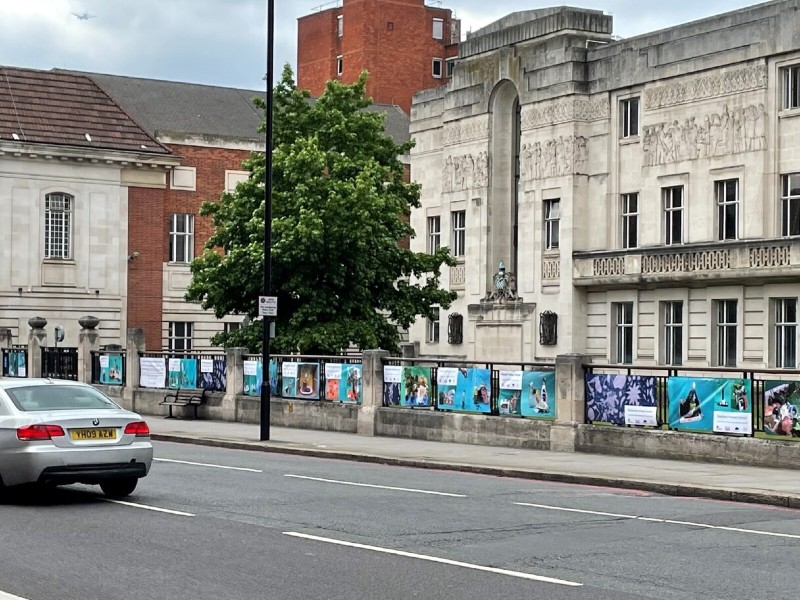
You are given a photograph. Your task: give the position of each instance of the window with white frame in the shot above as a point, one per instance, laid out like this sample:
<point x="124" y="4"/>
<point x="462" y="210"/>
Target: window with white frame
<point x="726" y="323"/>
<point x="180" y="336"/>
<point x="340" y="26"/>
<point x="339" y="66"/>
<point x="790" y="204"/>
<point x="181" y="238"/>
<point x="791" y="87"/>
<point x="727" y="195"/>
<point x="672" y="315"/>
<point x="673" y="215"/>
<point x="623" y="332"/>
<point x="438" y="29"/>
<point x="438" y="64"/>
<point x="434" y="234"/>
<point x="552" y="219"/>
<point x="785" y="333"/>
<point x="630" y="220"/>
<point x="629" y="117"/>
<point x="58" y="226"/>
<point x="433" y="327"/>
<point x="458" y="245"/>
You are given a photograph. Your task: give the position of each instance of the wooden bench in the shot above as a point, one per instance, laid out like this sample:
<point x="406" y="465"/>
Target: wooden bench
<point x="185" y="397"/>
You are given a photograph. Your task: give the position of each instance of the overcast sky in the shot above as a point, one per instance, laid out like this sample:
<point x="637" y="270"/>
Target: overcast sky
<point x="223" y="42"/>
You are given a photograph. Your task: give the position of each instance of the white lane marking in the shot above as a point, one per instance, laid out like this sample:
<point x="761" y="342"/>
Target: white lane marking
<point x="668" y="521"/>
<point x="436" y="559"/>
<point x="197" y="464"/>
<point x="153" y="508"/>
<point x="7" y="596"/>
<point x="380" y="487"/>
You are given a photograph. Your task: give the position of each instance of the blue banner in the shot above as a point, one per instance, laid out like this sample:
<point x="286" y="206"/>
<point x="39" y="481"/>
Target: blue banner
<point x="14" y="363"/>
<point x="253" y="376"/>
<point x="711" y="405"/>
<point x="782" y="408"/>
<point x="300" y="380"/>
<point x="343" y="383"/>
<point x="621" y="399"/>
<point x="111" y="366"/>
<point x="527" y="394"/>
<point x="464" y="390"/>
<point x="182" y="373"/>
<point x="415" y="386"/>
<point x="213" y="374"/>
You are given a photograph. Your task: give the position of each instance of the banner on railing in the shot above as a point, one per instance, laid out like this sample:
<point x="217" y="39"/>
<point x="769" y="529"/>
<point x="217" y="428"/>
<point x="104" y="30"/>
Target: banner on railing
<point x="14" y="363"/>
<point x="273" y="378"/>
<point x="213" y="374"/>
<point x="527" y="394"/>
<point x="710" y="404"/>
<point x="392" y="376"/>
<point x="415" y="386"/>
<point x="111" y="366"/>
<point x="343" y="383"/>
<point x="182" y="373"/>
<point x="461" y="389"/>
<point x="152" y="372"/>
<point x="253" y="376"/>
<point x="782" y="408"/>
<point x="621" y="399"/>
<point x="300" y="380"/>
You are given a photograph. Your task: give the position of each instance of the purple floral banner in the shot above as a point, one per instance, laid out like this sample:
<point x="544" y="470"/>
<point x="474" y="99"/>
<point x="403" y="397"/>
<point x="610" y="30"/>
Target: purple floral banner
<point x="621" y="399"/>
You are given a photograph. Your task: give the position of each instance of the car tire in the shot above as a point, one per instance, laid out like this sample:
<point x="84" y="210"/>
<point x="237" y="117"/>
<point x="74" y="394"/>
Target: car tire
<point x="119" y="488"/>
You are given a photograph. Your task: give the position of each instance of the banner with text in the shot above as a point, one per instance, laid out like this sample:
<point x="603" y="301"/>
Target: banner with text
<point x="213" y="374"/>
<point x="152" y="372"/>
<point x="528" y="394"/>
<point x="621" y="399"/>
<point x="343" y="383"/>
<point x="111" y="366"/>
<point x="182" y="373"/>
<point x="300" y="380"/>
<point x="710" y="404"/>
<point x="467" y="390"/>
<point x="392" y="376"/>
<point x="253" y="376"/>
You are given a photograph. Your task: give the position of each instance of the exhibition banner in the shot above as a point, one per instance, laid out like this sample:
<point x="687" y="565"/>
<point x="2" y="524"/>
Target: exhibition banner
<point x="213" y="374"/>
<point x="111" y="369"/>
<point x="300" y="380"/>
<point x="621" y="399"/>
<point x="152" y="372"/>
<point x="710" y="404"/>
<point x="782" y="408"/>
<point x="415" y="386"/>
<point x="343" y="383"/>
<point x="392" y="375"/>
<point x="464" y="390"/>
<point x="273" y="378"/>
<point x="182" y="373"/>
<point x="527" y="394"/>
<point x="253" y="376"/>
<point x="14" y="363"/>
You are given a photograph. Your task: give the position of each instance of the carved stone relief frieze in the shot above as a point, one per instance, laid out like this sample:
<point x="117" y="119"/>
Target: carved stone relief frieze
<point x="577" y="108"/>
<point x="708" y="86"/>
<point x="742" y="129"/>
<point x="555" y="157"/>
<point x="465" y="172"/>
<point x="457" y="132"/>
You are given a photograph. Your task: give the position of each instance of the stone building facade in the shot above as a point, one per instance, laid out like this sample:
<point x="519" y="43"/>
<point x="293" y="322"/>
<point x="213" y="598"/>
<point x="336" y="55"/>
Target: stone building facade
<point x="645" y="193"/>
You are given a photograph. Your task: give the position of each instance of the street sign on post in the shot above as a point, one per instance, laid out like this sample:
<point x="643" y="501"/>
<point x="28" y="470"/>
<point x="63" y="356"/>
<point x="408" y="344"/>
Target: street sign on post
<point x="267" y="306"/>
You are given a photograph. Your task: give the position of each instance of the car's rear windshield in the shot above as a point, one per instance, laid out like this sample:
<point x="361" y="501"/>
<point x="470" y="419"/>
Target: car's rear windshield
<point x="58" y="397"/>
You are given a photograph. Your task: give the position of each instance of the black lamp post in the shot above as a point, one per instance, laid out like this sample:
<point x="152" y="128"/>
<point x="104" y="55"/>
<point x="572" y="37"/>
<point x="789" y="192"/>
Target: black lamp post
<point x="265" y="383"/>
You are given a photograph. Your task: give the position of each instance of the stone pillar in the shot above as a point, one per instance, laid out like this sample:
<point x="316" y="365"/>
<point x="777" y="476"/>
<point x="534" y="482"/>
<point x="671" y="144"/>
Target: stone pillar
<point x="88" y="342"/>
<point x="372" y="384"/>
<point x="234" y="378"/>
<point x="37" y="339"/>
<point x="570" y="401"/>
<point x="135" y="344"/>
<point x="6" y="338"/>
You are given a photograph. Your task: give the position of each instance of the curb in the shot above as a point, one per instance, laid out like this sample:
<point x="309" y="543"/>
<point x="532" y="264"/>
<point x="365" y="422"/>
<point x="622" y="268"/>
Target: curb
<point x="667" y="489"/>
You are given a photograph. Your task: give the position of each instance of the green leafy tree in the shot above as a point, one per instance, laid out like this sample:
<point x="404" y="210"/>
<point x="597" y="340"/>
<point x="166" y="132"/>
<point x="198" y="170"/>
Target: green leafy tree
<point x="340" y="206"/>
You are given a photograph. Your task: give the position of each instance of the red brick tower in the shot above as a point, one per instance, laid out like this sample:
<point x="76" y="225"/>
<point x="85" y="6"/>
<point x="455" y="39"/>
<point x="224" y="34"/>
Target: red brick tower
<point x="404" y="44"/>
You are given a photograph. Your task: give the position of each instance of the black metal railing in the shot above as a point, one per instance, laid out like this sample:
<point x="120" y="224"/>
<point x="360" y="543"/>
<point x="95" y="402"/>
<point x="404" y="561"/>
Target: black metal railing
<point x="210" y="369"/>
<point x="60" y="363"/>
<point x="278" y="360"/>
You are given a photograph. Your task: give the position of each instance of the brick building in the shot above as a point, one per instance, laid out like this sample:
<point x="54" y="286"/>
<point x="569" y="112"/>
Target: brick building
<point x="406" y="45"/>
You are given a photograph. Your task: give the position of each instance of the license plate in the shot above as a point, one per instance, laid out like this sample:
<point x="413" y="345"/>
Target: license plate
<point x="93" y="434"/>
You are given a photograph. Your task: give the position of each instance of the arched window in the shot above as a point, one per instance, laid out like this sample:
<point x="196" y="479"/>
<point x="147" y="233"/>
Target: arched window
<point x="58" y="225"/>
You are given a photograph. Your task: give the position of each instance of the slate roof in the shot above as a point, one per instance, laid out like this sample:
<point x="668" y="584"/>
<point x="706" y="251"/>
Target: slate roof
<point x="46" y="107"/>
<point x="195" y="109"/>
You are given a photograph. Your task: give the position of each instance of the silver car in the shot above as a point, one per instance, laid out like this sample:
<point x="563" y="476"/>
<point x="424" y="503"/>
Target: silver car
<point x="62" y="432"/>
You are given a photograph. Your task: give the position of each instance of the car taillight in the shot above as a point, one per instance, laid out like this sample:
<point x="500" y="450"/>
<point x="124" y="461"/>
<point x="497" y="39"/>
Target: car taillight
<point x="31" y="433"/>
<point x="137" y="428"/>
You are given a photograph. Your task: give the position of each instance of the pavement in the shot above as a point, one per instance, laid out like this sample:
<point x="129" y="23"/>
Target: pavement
<point x="778" y="487"/>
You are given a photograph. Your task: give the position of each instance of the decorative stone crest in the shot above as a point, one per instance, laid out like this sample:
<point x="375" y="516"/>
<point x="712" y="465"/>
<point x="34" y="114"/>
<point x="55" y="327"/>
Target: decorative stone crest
<point x="718" y="134"/>
<point x="465" y="172"/>
<point x="555" y="157"/>
<point x="505" y="286"/>
<point x="708" y="86"/>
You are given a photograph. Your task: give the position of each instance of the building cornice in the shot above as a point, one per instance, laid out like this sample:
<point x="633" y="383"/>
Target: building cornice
<point x="51" y="152"/>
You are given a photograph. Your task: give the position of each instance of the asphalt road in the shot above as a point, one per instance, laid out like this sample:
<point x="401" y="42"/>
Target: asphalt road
<point x="290" y="528"/>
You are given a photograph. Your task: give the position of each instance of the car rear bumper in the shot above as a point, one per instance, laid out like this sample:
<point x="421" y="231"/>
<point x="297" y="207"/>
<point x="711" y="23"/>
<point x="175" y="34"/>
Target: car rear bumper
<point x="92" y="474"/>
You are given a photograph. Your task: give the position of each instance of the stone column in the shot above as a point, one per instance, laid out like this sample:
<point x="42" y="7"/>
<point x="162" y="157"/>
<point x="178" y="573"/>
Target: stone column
<point x="135" y="344"/>
<point x="570" y="401"/>
<point x="6" y="338"/>
<point x="88" y="342"/>
<point x="37" y="339"/>
<point x="234" y="378"/>
<point x="372" y="385"/>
